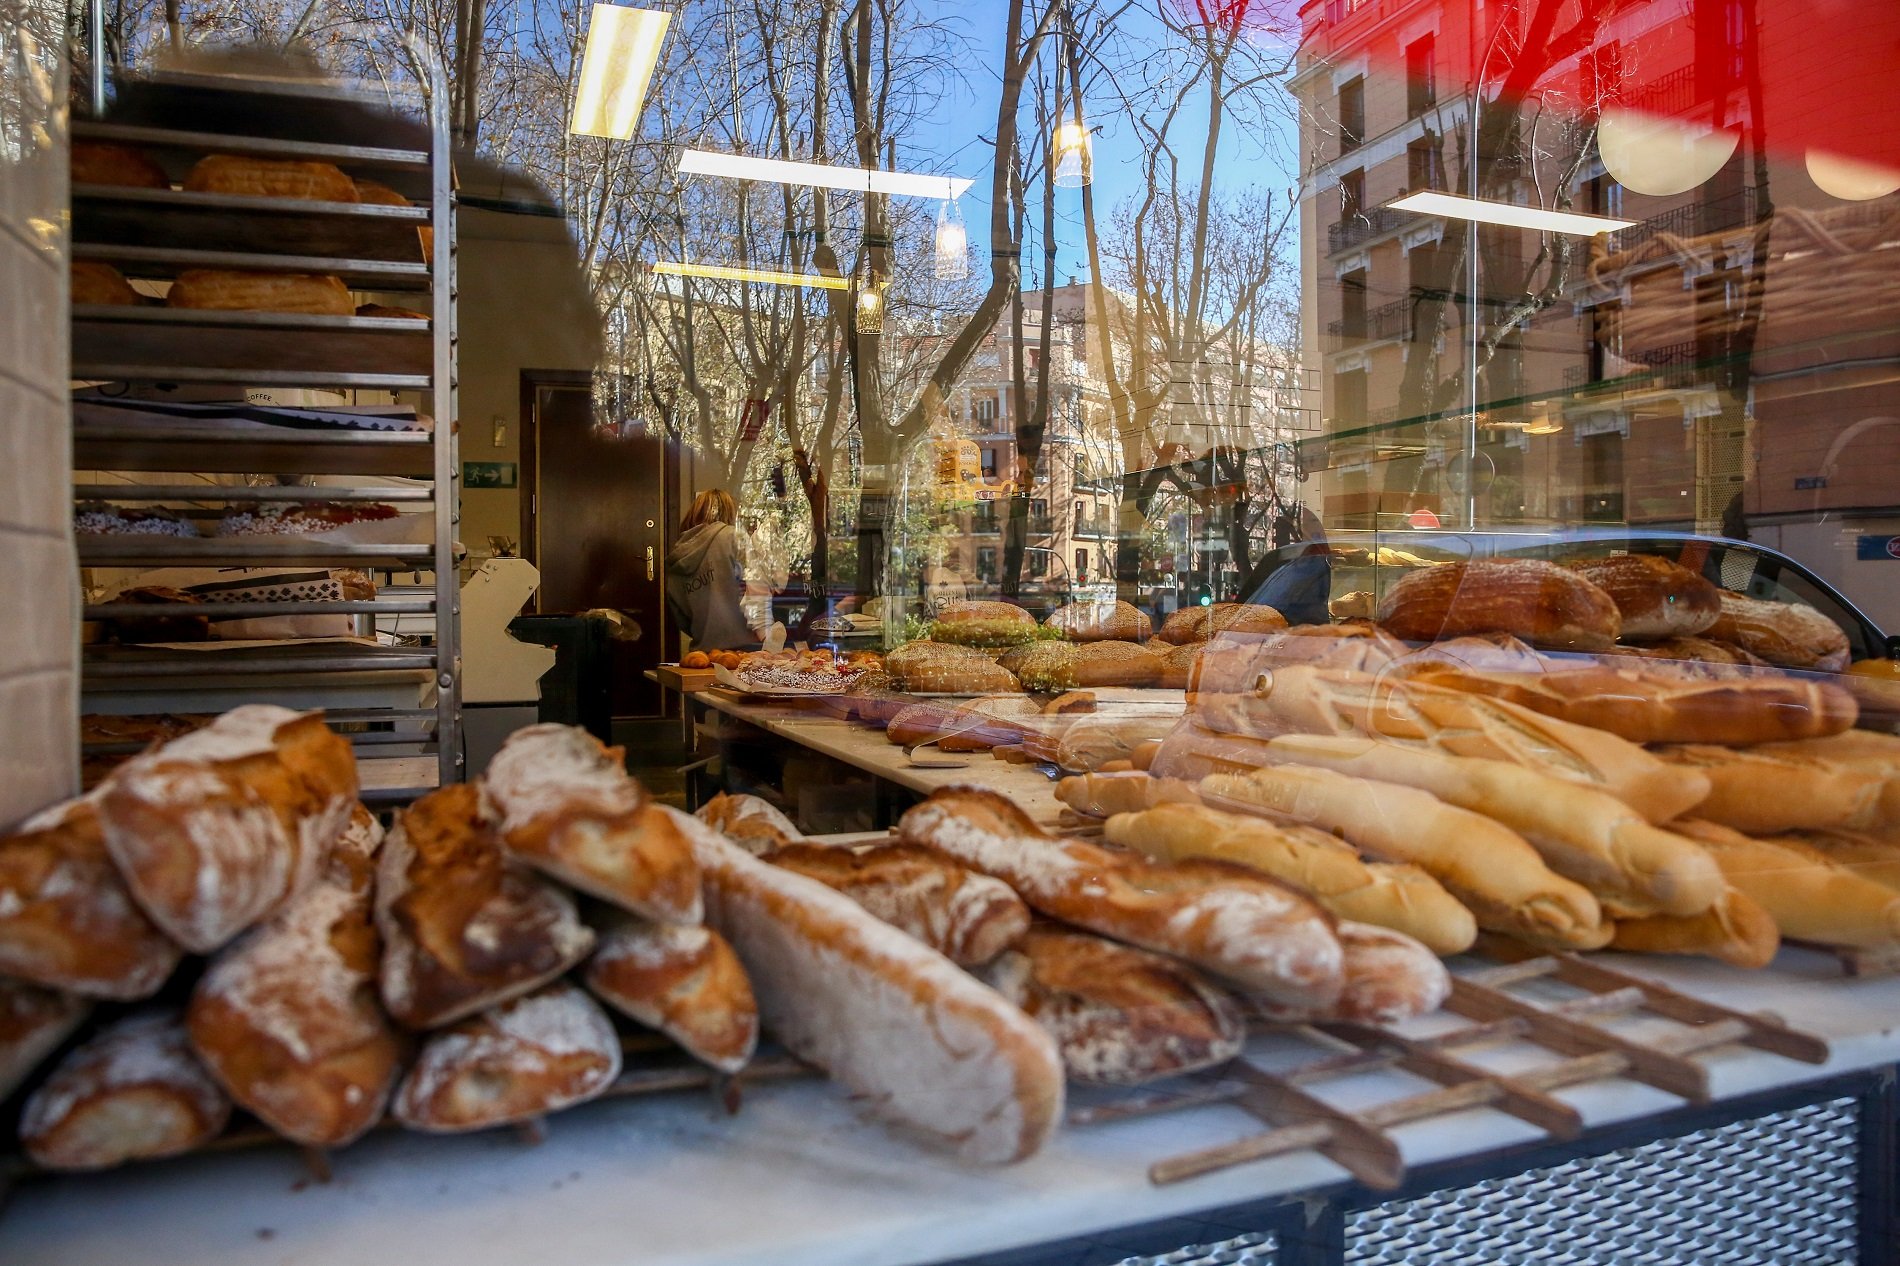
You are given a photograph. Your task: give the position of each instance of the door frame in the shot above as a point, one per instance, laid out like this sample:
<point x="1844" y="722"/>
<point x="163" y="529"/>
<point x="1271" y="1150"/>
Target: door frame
<point x="528" y="429"/>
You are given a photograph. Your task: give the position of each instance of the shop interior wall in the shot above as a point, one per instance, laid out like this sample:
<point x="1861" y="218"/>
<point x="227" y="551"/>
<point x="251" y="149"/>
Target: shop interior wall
<point x="524" y="305"/>
<point x="39" y="596"/>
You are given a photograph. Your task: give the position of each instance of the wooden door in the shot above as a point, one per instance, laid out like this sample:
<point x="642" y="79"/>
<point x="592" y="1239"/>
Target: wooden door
<point x="594" y="523"/>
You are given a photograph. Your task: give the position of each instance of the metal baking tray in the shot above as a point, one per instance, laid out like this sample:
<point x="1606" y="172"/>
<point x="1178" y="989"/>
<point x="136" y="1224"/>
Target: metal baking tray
<point x="260" y="610"/>
<point x="169" y="261"/>
<point x="230" y="222"/>
<point x="293" y="659"/>
<point x="252" y="450"/>
<point x="113" y="550"/>
<point x="231" y="494"/>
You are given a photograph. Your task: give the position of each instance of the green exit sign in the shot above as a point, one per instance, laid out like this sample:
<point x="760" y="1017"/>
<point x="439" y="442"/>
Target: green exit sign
<point x="489" y="474"/>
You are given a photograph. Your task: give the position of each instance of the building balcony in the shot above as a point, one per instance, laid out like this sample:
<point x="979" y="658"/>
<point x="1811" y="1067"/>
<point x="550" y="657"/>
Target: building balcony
<point x="1365" y="226"/>
<point x="1388" y="321"/>
<point x="1692" y="219"/>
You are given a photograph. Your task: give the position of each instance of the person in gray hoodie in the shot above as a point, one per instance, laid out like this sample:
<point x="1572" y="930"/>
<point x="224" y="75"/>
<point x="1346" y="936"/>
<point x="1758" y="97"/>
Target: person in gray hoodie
<point x="704" y="581"/>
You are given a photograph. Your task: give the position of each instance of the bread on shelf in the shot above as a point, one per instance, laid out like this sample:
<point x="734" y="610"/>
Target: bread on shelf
<point x="967" y="917"/>
<point x="109" y="163"/>
<point x="936" y="667"/>
<point x="1101" y="621"/>
<point x="244" y="176"/>
<point x="1810" y="896"/>
<point x="748" y="821"/>
<point x="1102" y="795"/>
<point x="1764" y="792"/>
<point x="685" y="981"/>
<point x="1655" y="597"/>
<point x="1542" y="603"/>
<point x="1735" y="930"/>
<point x="34" y="1023"/>
<point x="1201" y="624"/>
<point x="230" y="290"/>
<point x="99" y="284"/>
<point x="983" y="624"/>
<point x="1790" y="634"/>
<point x="1388" y="977"/>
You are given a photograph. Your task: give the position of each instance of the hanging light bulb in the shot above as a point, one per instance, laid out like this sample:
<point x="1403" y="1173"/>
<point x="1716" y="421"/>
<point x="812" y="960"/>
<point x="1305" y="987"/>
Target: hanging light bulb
<point x="953" y="243"/>
<point x="870" y="307"/>
<point x="1073" y="149"/>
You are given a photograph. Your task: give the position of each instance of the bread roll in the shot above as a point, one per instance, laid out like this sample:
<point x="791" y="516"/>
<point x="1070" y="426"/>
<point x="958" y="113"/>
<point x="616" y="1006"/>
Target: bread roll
<point x="376" y="193"/>
<point x="1810" y="897"/>
<point x="1762" y="793"/>
<point x="983" y="624"/>
<point x="215" y="828"/>
<point x="514" y="1062"/>
<point x="967" y="917"/>
<point x="1786" y="633"/>
<point x="1650" y="703"/>
<point x="33" y="1024"/>
<point x="750" y="822"/>
<point x="1633" y="868"/>
<point x="464" y="927"/>
<point x="1102" y="795"/>
<point x="1421" y="713"/>
<point x="106" y="163"/>
<point x="97" y="283"/>
<point x="1101" y="622"/>
<point x="1389" y="977"/>
<point x="228" y="290"/>
<point x="270" y="178"/>
<point x="288" y="1018"/>
<point x="1736" y="930"/>
<point x="934" y="667"/>
<point x="1655" y="597"/>
<point x="1120" y="1016"/>
<point x="66" y="918"/>
<point x="1225" y="919"/>
<point x="950" y="1058"/>
<point x="1489" y="868"/>
<point x="1201" y="624"/>
<point x="683" y="980"/>
<point x="1542" y="603"/>
<point x="133" y="1091"/>
<point x="1401" y="897"/>
<point x="565" y="805"/>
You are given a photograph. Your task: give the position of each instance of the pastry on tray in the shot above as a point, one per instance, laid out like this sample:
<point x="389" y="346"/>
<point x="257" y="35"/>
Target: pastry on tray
<point x="100" y="518"/>
<point x="228" y="290"/>
<point x="270" y="178"/>
<point x="100" y="284"/>
<point x="306" y="518"/>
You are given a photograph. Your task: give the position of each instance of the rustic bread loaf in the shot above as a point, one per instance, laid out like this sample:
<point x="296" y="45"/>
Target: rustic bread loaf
<point x="33" y="1024"/>
<point x="1655" y="597"/>
<point x="1785" y="633"/>
<point x="983" y="624"/>
<point x="936" y="667"/>
<point x="967" y="917"/>
<point x="223" y="289"/>
<point x="1101" y="621"/>
<point x="1201" y="624"/>
<point x="106" y="163"/>
<point x="1542" y="603"/>
<point x="270" y="178"/>
<point x="683" y="980"/>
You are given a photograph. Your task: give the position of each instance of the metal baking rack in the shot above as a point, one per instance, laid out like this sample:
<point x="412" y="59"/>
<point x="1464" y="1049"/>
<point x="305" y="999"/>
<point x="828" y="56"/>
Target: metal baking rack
<point x="406" y="741"/>
<point x="1530" y="1027"/>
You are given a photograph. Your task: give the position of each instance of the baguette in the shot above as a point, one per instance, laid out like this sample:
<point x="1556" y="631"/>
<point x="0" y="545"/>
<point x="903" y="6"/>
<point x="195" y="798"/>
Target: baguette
<point x="1223" y="918"/>
<point x="1488" y="867"/>
<point x="565" y="805"/>
<point x="1864" y="750"/>
<point x="1634" y="868"/>
<point x="962" y="729"/>
<point x="1401" y="897"/>
<point x="1103" y="795"/>
<point x="33" y="1024"/>
<point x="1764" y="793"/>
<point x="1389" y="977"/>
<point x="1094" y="741"/>
<point x="887" y="1017"/>
<point x="1810" y="897"/>
<point x="1120" y="1016"/>
<point x="1191" y="753"/>
<point x="966" y="917"/>
<point x="1868" y="856"/>
<point x="1736" y="930"/>
<point x="683" y="980"/>
<point x="1305" y="700"/>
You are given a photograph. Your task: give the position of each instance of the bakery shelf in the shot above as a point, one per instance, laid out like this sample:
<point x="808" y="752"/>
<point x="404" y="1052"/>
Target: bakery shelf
<point x="178" y="148"/>
<point x="94" y="372"/>
<point x="169" y="261"/>
<point x="260" y="610"/>
<point x="233" y="494"/>
<point x="108" y="550"/>
<point x="182" y="219"/>
<point x="103" y="663"/>
<point x="237" y="109"/>
<point x="252" y="450"/>
<point x="251" y="348"/>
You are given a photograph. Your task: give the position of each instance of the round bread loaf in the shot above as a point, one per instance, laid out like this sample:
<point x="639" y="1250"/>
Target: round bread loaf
<point x="1198" y="624"/>
<point x="1542" y="603"/>
<point x="1178" y="664"/>
<point x="222" y="289"/>
<point x="1055" y="666"/>
<point x="103" y="163"/>
<point x="1785" y="633"/>
<point x="1655" y="597"/>
<point x="100" y="283"/>
<point x="983" y="624"/>
<point x="1101" y="622"/>
<point x="270" y="178"/>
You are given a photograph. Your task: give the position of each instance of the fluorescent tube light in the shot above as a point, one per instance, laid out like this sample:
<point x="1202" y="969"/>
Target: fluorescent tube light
<point x="623" y="46"/>
<point x="903" y="184"/>
<point x="1507" y="214"/>
<point x="764" y="276"/>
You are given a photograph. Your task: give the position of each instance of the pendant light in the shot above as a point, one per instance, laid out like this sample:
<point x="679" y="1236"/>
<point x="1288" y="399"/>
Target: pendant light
<point x="952" y="243"/>
<point x="869" y="305"/>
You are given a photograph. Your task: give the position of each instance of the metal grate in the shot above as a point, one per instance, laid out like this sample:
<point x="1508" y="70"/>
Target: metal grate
<point x="1775" y="1191"/>
<point x="1243" y="1250"/>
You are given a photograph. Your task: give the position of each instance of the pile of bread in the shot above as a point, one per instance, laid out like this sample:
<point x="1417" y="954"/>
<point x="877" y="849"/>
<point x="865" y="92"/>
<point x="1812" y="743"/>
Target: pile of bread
<point x="98" y="164"/>
<point x="1631" y="802"/>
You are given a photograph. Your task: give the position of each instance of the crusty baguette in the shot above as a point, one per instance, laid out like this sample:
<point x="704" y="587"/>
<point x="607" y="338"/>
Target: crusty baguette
<point x="514" y="1062"/>
<point x="1488" y="867"/>
<point x="1762" y="793"/>
<point x="1810" y="897"/>
<point x="1389" y="977"/>
<point x="1655" y="597"/>
<point x="749" y="821"/>
<point x="566" y="805"/>
<point x="132" y="1091"/>
<point x="1401" y="897"/>
<point x="1119" y="1015"/>
<point x="889" y="1018"/>
<point x="1102" y="795"/>
<point x="1191" y="753"/>
<point x="967" y="917"/>
<point x="33" y="1024"/>
<point x="1094" y="741"/>
<point x="1590" y="836"/>
<point x="1735" y="929"/>
<point x="957" y="728"/>
<point x="1223" y="918"/>
<point x="1871" y="857"/>
<point x="682" y="979"/>
<point x="66" y="918"/>
<point x="1307" y="700"/>
<point x="1866" y="750"/>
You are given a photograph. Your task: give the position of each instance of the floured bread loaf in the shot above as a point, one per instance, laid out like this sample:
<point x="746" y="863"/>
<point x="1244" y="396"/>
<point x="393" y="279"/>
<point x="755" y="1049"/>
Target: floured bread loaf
<point x="967" y="917"/>
<point x="33" y="1023"/>
<point x="748" y="821"/>
<point x="683" y="980"/>
<point x="1542" y="603"/>
<point x="270" y="178"/>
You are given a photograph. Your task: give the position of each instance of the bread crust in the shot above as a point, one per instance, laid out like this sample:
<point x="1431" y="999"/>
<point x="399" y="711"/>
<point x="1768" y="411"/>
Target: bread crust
<point x="33" y="1024"/>
<point x="1101" y="795"/>
<point x="930" y="667"/>
<point x="1766" y="792"/>
<point x="270" y="178"/>
<point x="1810" y="896"/>
<point x="99" y="283"/>
<point x="464" y="927"/>
<point x="1058" y="666"/>
<point x="215" y="289"/>
<point x="1389" y="977"/>
<point x="952" y="1059"/>
<point x="983" y="624"/>
<point x="516" y="1061"/>
<point x="1101" y="621"/>
<point x="1201" y="624"/>
<point x="748" y="821"/>
<point x="1736" y="930"/>
<point x="1784" y="633"/>
<point x="967" y="917"/>
<point x="1542" y="603"/>
<point x="1655" y="597"/>
<point x="107" y="163"/>
<point x="1120" y="1016"/>
<point x="683" y="980"/>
